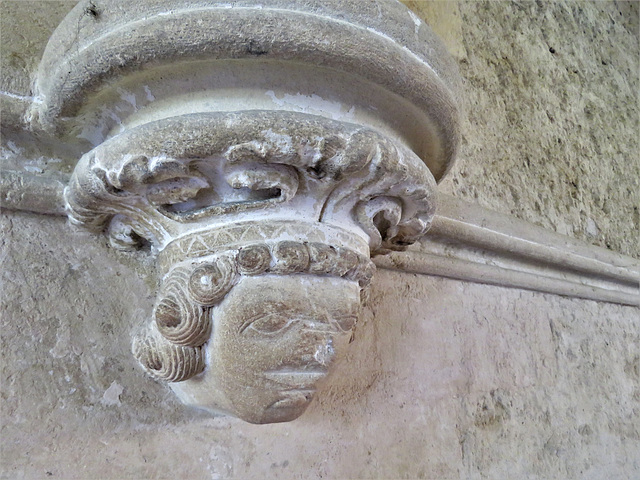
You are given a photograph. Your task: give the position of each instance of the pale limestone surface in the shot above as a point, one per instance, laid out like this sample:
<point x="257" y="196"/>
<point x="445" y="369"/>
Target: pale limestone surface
<point x="489" y="383"/>
<point x="520" y="99"/>
<point x="444" y="379"/>
<point x="311" y="195"/>
<point x="26" y="27"/>
<point x="551" y="138"/>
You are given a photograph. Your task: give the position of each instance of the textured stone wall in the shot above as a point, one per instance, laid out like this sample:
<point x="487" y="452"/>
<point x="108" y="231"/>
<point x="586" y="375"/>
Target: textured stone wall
<point x="551" y="132"/>
<point x="26" y="27"/>
<point x="444" y="379"/>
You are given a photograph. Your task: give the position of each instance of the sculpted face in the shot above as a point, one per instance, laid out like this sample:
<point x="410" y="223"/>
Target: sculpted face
<point x="274" y="338"/>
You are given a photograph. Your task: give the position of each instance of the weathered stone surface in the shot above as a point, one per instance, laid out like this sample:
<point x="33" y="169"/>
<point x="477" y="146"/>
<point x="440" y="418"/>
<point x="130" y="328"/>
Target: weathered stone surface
<point x="511" y="161"/>
<point x="198" y="166"/>
<point x="491" y="382"/>
<point x="268" y="182"/>
<point x="551" y="95"/>
<point x="452" y="380"/>
<point x="106" y="62"/>
<point x="26" y="28"/>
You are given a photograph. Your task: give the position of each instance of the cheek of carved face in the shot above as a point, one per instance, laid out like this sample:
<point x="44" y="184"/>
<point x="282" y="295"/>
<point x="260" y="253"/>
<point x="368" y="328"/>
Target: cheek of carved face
<point x="275" y="339"/>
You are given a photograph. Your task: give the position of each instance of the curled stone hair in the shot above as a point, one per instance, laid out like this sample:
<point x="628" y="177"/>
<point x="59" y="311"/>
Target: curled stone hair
<point x="168" y="361"/>
<point x="288" y="257"/>
<point x="172" y="350"/>
<point x="177" y="318"/>
<point x="209" y="283"/>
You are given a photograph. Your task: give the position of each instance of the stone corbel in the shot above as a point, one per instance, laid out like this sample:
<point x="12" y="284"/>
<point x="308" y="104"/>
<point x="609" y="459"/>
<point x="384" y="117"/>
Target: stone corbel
<point x="263" y="153"/>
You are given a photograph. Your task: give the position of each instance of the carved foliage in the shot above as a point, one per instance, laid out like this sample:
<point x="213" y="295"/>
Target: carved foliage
<point x="140" y="187"/>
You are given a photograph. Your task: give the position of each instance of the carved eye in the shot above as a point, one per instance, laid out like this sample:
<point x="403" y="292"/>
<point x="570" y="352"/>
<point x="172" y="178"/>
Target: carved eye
<point x="269" y="324"/>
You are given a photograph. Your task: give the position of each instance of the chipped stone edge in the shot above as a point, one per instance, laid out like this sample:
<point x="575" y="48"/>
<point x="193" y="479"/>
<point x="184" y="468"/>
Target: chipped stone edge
<point x="466" y="242"/>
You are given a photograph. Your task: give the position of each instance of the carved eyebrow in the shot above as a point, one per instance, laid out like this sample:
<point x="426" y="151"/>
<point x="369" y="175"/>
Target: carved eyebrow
<point x="267" y="307"/>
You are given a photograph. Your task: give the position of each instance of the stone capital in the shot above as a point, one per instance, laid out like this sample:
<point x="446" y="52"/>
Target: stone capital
<point x="263" y="153"/>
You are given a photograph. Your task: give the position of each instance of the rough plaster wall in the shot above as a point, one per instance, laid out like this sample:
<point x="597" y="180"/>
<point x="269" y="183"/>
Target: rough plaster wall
<point x="490" y="383"/>
<point x="551" y="128"/>
<point x="25" y="27"/>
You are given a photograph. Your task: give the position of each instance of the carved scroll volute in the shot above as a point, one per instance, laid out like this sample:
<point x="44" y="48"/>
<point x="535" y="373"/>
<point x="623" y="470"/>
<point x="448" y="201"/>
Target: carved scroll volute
<point x="261" y="184"/>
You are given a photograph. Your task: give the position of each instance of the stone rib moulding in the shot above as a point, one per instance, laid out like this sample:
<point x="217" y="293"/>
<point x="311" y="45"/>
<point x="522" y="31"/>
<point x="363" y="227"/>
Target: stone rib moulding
<point x="465" y="242"/>
<point x="264" y="153"/>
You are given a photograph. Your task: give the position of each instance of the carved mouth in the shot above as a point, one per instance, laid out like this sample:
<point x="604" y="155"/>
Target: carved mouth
<point x="293" y="399"/>
<point x="300" y="379"/>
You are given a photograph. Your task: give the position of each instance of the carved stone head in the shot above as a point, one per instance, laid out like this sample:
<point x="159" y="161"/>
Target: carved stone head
<point x="263" y="225"/>
<point x="252" y="332"/>
<point x="295" y="329"/>
<point x="263" y="154"/>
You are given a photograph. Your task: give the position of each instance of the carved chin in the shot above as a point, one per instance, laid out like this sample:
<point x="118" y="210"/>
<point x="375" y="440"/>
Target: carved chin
<point x="253" y="405"/>
<point x="299" y="391"/>
<point x="290" y="406"/>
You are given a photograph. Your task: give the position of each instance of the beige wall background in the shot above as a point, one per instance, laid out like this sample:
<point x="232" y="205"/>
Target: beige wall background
<point x="445" y="379"/>
<point x="552" y="107"/>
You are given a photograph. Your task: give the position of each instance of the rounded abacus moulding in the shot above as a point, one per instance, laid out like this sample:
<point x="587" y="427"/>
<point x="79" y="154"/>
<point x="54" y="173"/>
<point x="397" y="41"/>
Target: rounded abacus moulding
<point x="112" y="64"/>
